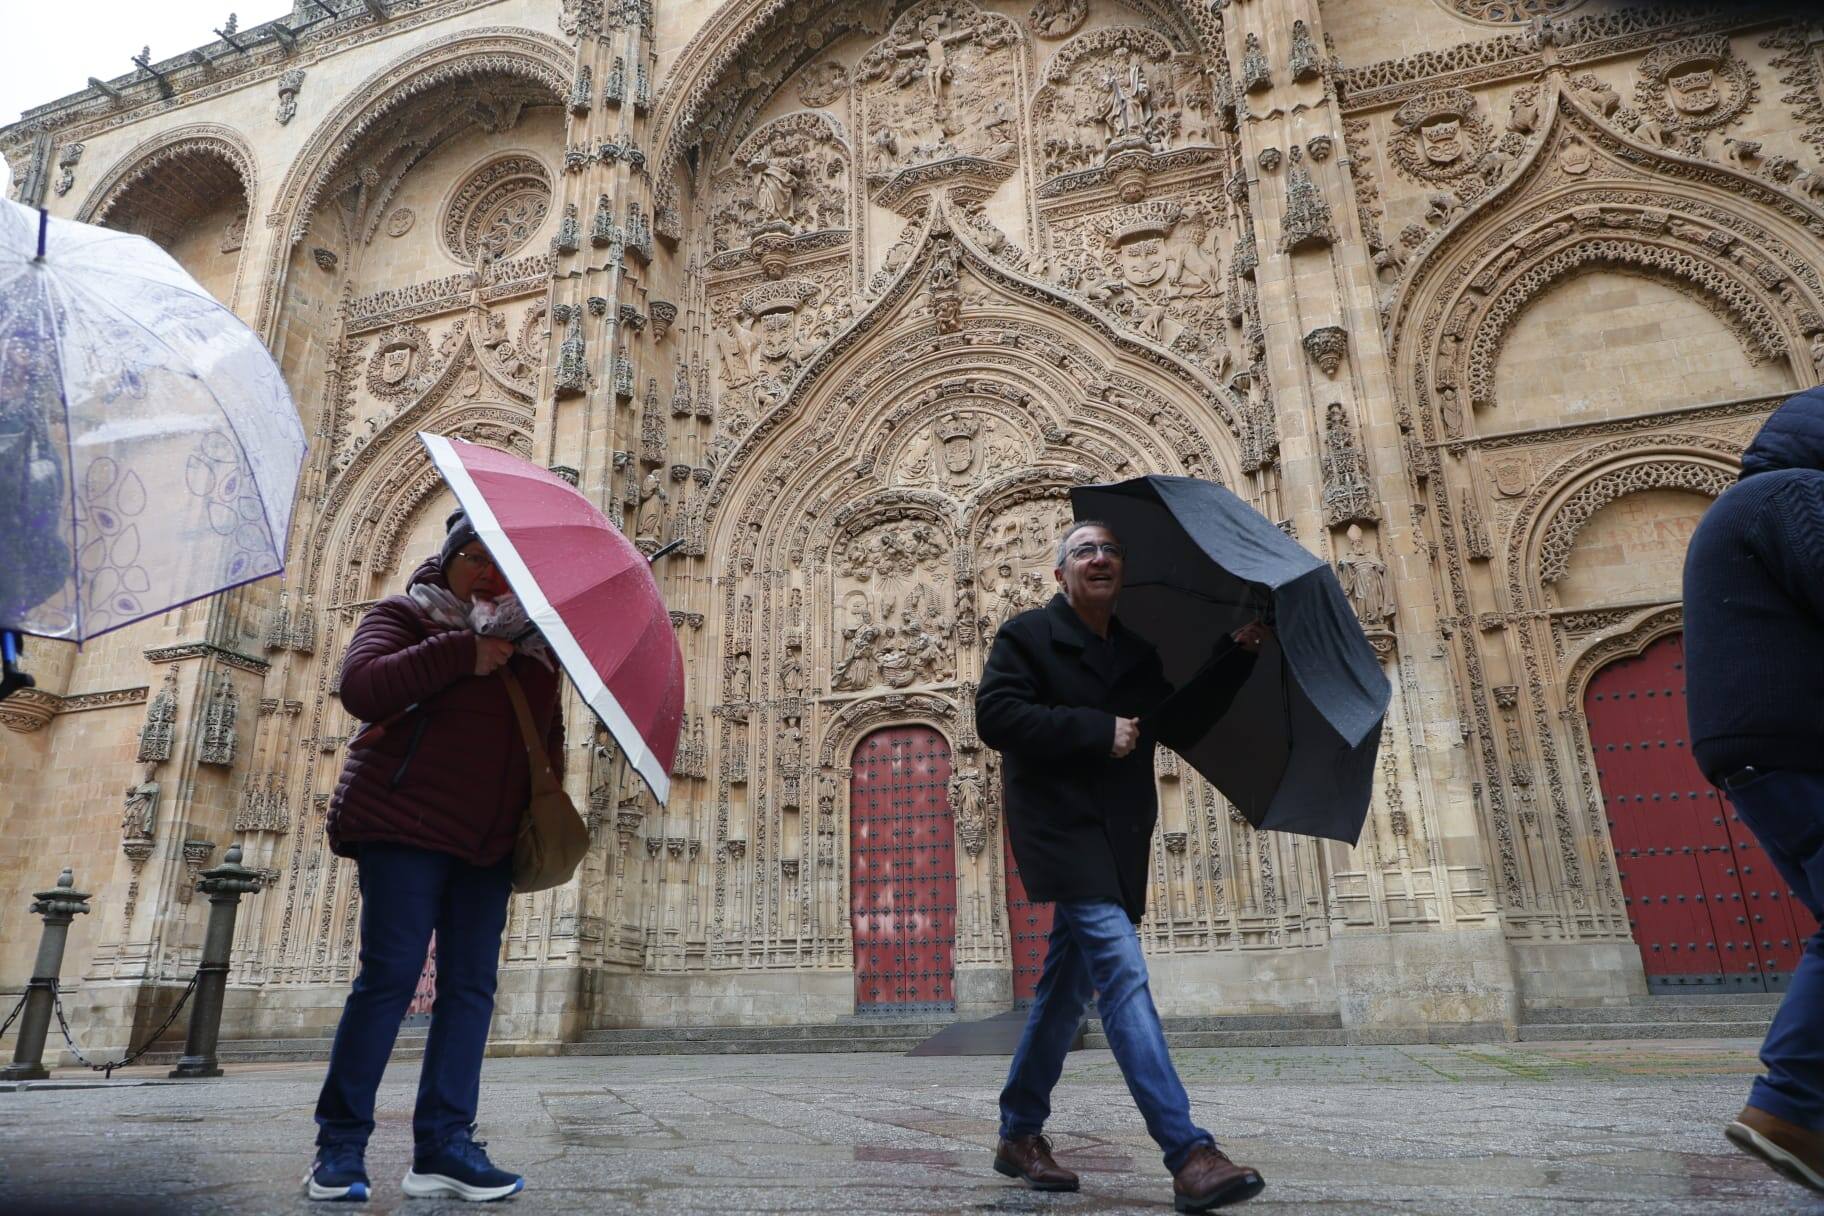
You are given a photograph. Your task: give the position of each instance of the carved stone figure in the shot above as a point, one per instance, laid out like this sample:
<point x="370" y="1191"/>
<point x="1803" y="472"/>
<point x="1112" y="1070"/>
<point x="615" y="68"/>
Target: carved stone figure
<point x="290" y="83"/>
<point x="969" y="808"/>
<point x="650" y="522"/>
<point x="1364" y="579"/>
<point x="140" y="821"/>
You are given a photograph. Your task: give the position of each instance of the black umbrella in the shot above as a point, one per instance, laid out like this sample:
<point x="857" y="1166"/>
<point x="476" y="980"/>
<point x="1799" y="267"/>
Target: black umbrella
<point x="1295" y="749"/>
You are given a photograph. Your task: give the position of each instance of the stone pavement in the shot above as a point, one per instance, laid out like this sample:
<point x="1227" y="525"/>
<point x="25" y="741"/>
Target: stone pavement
<point x="1620" y="1127"/>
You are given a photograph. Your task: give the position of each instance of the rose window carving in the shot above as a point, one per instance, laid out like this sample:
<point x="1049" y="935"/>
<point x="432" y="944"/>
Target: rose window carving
<point x="498" y="210"/>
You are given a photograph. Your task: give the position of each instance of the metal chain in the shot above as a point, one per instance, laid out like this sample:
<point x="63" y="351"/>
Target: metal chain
<point x="8" y="1024"/>
<point x="107" y="1068"/>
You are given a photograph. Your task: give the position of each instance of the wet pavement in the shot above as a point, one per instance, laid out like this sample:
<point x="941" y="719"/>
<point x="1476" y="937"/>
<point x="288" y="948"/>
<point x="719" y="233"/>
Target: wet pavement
<point x="1616" y="1127"/>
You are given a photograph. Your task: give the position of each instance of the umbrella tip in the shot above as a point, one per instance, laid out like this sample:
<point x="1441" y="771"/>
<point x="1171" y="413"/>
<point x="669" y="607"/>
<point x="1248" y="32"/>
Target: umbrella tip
<point x="44" y="224"/>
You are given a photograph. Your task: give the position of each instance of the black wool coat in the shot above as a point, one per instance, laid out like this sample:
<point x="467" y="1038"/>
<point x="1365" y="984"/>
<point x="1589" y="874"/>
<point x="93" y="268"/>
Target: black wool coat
<point x="1081" y="822"/>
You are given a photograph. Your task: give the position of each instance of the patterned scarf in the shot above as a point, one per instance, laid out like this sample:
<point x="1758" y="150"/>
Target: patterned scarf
<point x="501" y="618"/>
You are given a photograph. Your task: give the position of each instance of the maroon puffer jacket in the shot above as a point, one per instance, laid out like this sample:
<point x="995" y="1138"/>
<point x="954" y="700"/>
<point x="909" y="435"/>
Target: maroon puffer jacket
<point x="452" y="776"/>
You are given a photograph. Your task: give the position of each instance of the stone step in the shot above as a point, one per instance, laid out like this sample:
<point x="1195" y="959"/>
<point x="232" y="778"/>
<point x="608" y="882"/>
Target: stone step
<point x="1244" y="1021"/>
<point x="1647" y="1013"/>
<point x="739" y="1047"/>
<point x="708" y="1034"/>
<point x="408" y="1046"/>
<point x="1180" y="1039"/>
<point x="1577" y="1031"/>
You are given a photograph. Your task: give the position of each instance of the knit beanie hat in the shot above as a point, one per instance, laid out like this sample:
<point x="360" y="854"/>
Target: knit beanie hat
<point x="460" y="533"/>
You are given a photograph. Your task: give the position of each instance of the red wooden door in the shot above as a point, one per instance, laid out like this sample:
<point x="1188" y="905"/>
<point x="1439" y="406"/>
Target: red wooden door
<point x="1706" y="905"/>
<point x="902" y="892"/>
<point x="1029" y="924"/>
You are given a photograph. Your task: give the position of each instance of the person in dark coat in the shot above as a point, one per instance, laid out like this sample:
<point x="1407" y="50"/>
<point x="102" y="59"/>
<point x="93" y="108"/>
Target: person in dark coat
<point x="1754" y="656"/>
<point x="1064" y="698"/>
<point x="429" y="805"/>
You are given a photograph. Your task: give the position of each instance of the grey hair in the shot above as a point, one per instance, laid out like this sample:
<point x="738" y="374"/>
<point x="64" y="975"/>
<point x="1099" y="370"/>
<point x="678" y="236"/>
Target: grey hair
<point x="1076" y="527"/>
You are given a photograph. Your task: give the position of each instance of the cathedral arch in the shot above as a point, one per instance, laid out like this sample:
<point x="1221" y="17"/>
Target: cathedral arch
<point x="1550" y="521"/>
<point x="199" y="152"/>
<point x="400" y="114"/>
<point x="1587" y="198"/>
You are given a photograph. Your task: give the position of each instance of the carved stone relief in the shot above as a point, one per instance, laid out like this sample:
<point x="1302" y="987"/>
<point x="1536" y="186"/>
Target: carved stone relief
<point x="788" y="178"/>
<point x="1694" y="85"/>
<point x="937" y="88"/>
<point x="497" y="209"/>
<point x="894" y="585"/>
<point x="1441" y="138"/>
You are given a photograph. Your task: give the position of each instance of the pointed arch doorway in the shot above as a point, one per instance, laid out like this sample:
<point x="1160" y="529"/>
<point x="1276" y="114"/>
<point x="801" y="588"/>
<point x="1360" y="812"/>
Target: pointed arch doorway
<point x="902" y="896"/>
<point x="1707" y="908"/>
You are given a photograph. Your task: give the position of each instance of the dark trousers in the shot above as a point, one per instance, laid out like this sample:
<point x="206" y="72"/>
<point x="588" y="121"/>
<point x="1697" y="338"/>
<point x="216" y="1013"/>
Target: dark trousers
<point x="1785" y="811"/>
<point x="1095" y="951"/>
<point x="406" y="893"/>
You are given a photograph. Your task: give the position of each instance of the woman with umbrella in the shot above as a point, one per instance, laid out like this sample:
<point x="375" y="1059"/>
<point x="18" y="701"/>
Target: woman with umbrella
<point x="429" y="806"/>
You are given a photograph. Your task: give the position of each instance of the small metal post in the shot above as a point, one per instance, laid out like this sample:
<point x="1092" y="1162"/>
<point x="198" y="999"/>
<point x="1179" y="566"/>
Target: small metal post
<point x="59" y="907"/>
<point x="224" y="885"/>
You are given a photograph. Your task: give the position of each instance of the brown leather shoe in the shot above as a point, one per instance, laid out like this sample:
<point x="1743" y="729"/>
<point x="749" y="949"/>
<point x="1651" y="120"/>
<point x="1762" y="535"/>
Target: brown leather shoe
<point x="1208" y="1179"/>
<point x="1796" y="1152"/>
<point x="1029" y="1158"/>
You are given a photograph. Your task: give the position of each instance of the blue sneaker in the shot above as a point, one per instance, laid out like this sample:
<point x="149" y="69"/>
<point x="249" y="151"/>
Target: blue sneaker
<point x="339" y="1173"/>
<point x="459" y="1167"/>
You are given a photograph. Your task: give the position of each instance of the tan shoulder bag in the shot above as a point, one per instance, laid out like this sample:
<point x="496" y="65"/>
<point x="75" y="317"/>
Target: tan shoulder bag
<point x="552" y="837"/>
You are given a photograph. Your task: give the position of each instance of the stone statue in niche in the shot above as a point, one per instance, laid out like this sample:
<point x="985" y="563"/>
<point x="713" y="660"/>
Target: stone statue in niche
<point x="650" y="522"/>
<point x="790" y="176"/>
<point x="775" y="183"/>
<point x="140" y="821"/>
<point x="969" y="808"/>
<point x="1365" y="582"/>
<point x="1128" y="112"/>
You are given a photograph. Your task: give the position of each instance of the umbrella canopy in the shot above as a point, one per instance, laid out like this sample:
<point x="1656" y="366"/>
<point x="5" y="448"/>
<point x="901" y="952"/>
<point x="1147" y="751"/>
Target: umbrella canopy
<point x="149" y="450"/>
<point x="586" y="588"/>
<point x="1296" y="749"/>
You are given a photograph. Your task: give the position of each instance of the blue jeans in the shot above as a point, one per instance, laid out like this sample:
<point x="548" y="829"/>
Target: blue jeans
<point x="1095" y="949"/>
<point x="1785" y="811"/>
<point x="405" y="894"/>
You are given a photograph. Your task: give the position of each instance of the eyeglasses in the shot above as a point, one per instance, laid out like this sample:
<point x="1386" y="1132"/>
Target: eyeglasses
<point x="1087" y="552"/>
<point x="484" y="558"/>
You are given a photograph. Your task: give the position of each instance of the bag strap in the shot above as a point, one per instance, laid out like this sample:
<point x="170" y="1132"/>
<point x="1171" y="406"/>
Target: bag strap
<point x="542" y="775"/>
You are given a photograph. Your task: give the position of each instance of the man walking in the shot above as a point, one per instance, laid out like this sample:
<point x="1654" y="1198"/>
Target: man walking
<point x="1061" y="699"/>
<point x="1754" y="649"/>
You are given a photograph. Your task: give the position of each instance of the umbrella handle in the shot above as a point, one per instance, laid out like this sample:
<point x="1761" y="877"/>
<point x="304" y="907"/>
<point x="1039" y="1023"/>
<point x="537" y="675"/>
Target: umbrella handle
<point x="44" y="225"/>
<point x="9" y="644"/>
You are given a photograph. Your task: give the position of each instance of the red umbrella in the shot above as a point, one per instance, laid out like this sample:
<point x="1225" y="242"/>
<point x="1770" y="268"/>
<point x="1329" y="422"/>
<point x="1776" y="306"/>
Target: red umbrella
<point x="586" y="588"/>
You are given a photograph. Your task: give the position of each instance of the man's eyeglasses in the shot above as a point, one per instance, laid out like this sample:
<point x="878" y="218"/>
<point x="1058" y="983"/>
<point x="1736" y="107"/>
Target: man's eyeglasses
<point x="1087" y="552"/>
<point x="483" y="558"/>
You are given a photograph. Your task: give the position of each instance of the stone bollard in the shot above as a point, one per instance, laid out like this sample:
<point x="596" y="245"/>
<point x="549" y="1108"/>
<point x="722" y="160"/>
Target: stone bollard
<point x="224" y="885"/>
<point x="59" y="907"/>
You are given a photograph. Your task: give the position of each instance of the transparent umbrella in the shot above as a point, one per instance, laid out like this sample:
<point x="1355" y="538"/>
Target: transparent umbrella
<point x="149" y="450"/>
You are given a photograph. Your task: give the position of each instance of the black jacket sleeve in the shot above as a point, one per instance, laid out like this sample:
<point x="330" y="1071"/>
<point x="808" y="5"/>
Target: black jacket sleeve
<point x="1010" y="716"/>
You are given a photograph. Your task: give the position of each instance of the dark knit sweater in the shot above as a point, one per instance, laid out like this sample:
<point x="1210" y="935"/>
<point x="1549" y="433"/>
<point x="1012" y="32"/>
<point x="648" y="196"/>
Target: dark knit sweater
<point x="1754" y="604"/>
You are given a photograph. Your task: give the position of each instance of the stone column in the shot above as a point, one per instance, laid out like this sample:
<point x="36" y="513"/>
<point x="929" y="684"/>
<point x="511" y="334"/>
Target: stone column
<point x="1353" y="474"/>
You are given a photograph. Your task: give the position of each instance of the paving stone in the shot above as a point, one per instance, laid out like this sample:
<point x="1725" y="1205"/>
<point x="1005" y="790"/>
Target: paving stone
<point x="1621" y="1127"/>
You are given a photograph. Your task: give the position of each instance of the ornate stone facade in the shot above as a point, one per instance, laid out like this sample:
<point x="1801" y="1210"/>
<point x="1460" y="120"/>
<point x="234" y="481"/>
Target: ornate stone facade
<point x="846" y="297"/>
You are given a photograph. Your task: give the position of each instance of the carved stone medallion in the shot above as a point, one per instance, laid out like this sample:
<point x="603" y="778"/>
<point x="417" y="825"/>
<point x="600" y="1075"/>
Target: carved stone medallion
<point x="400" y="221"/>
<point x="499" y="208"/>
<point x="1696" y="84"/>
<point x="1440" y="137"/>
<point x="403" y="353"/>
